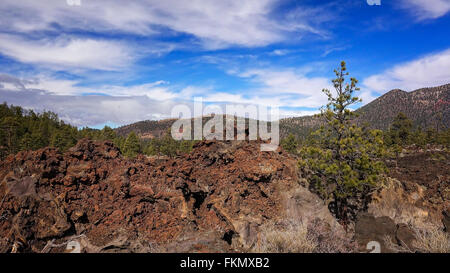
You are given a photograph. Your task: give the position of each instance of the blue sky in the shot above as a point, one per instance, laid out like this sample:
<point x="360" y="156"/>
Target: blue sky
<point x="117" y="62"/>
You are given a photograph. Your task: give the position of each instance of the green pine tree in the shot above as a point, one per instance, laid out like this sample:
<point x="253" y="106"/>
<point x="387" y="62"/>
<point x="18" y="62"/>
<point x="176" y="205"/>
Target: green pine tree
<point x="107" y="133"/>
<point x="131" y="147"/>
<point x="168" y="146"/>
<point x="344" y="159"/>
<point x="290" y="144"/>
<point x="400" y="132"/>
<point x="151" y="148"/>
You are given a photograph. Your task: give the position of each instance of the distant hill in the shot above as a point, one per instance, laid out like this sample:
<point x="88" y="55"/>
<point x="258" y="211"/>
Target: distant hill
<point x="426" y="107"/>
<point x="147" y="128"/>
<point x="151" y="128"/>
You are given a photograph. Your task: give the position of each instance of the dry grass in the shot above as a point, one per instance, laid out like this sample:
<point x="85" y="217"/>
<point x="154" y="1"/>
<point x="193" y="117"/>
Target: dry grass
<point x="307" y="227"/>
<point x="302" y="237"/>
<point x="403" y="248"/>
<point x="430" y="240"/>
<point x="289" y="237"/>
<point x="330" y="240"/>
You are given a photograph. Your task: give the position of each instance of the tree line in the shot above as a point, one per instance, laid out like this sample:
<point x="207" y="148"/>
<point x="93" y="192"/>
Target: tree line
<point x="401" y="134"/>
<point x="22" y="130"/>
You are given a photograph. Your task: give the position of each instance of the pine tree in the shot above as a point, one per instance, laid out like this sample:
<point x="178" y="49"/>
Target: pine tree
<point x="58" y="141"/>
<point x="151" y="148"/>
<point x="10" y="125"/>
<point x="26" y="130"/>
<point x="107" y="133"/>
<point x="131" y="146"/>
<point x="26" y="143"/>
<point x="431" y="135"/>
<point x="400" y="132"/>
<point x="419" y="137"/>
<point x="344" y="158"/>
<point x="186" y="146"/>
<point x="290" y="144"/>
<point x="168" y="146"/>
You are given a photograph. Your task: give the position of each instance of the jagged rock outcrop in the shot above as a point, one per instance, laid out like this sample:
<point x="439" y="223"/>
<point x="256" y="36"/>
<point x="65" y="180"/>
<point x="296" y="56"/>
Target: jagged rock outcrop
<point x="213" y="199"/>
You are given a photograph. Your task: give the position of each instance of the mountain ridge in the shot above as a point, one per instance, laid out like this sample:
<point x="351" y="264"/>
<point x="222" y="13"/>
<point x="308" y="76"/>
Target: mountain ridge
<point x="426" y="107"/>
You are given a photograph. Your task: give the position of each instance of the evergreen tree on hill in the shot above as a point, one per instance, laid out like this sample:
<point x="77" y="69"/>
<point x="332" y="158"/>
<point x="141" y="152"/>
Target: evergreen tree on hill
<point x="131" y="147"/>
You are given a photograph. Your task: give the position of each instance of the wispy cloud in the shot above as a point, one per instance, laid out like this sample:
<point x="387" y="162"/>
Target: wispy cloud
<point x="216" y="24"/>
<point x="431" y="70"/>
<point x="67" y="99"/>
<point x="113" y="56"/>
<point x="86" y="106"/>
<point x="280" y="52"/>
<point x="330" y="50"/>
<point x="158" y="91"/>
<point x="67" y="52"/>
<point x="293" y="87"/>
<point x="427" y="9"/>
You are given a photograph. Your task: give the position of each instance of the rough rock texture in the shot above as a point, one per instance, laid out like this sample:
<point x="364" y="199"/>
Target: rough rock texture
<point x="369" y="228"/>
<point x="211" y="200"/>
<point x="429" y="169"/>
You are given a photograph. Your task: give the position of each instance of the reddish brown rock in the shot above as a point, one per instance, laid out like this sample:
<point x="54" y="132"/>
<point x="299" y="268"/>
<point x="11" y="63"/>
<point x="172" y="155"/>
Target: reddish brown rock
<point x="211" y="200"/>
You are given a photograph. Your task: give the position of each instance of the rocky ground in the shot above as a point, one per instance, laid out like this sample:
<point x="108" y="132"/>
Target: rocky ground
<point x="429" y="170"/>
<point x="413" y="206"/>
<point x="219" y="198"/>
<point x="210" y="200"/>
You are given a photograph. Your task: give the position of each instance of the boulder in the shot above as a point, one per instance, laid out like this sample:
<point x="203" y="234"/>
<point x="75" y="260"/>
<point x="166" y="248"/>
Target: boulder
<point x="374" y="229"/>
<point x="380" y="229"/>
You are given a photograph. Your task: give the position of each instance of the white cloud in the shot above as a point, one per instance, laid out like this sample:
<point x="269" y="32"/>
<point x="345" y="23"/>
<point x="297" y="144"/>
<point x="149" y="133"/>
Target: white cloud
<point x="366" y="96"/>
<point x="127" y="104"/>
<point x="78" y="53"/>
<point x="57" y="86"/>
<point x="280" y="52"/>
<point x="81" y="110"/>
<point x="292" y="87"/>
<point x="152" y="90"/>
<point x="12" y="83"/>
<point x="216" y="23"/>
<point x="274" y="87"/>
<point x="333" y="49"/>
<point x="431" y="70"/>
<point x="300" y="113"/>
<point x="427" y="9"/>
<point x="156" y="90"/>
